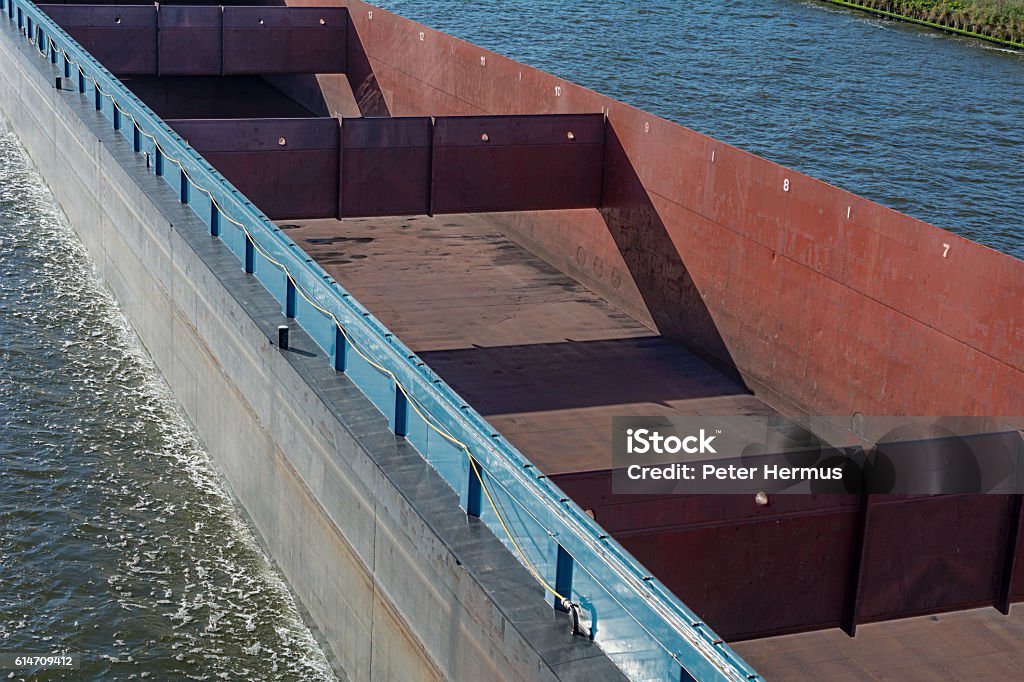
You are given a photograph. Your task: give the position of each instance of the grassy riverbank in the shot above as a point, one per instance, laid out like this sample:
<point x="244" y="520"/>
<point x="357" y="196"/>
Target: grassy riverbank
<point x="999" y="19"/>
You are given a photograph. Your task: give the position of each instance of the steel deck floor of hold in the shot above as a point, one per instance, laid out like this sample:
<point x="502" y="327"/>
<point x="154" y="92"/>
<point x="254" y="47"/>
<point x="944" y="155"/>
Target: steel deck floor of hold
<point x="548" y="362"/>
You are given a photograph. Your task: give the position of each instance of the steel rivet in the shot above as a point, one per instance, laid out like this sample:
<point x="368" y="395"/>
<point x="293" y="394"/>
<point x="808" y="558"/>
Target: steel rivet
<point x="484" y="137"/>
<point x="761" y="498"/>
<point x="323" y="22"/>
<point x="571" y="136"/>
<point x="117" y="20"/>
<point x="281" y="141"/>
<point x="261" y="21"/>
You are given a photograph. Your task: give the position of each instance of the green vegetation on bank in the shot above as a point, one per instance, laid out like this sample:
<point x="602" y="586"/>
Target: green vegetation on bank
<point x="1002" y="20"/>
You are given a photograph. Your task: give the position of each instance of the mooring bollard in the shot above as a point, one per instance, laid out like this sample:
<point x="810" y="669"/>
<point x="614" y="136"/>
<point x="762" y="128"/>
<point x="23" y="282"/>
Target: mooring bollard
<point x="282" y="337"/>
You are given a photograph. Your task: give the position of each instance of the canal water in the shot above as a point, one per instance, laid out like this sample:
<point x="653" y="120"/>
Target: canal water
<point x="922" y="122"/>
<point x="117" y="539"/>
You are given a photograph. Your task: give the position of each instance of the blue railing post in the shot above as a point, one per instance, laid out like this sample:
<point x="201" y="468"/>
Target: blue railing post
<point x="400" y="421"/>
<point x="158" y="161"/>
<point x="214" y="219"/>
<point x="563" y="576"/>
<point x="250" y="256"/>
<point x="136" y="138"/>
<point x="289" y="297"/>
<point x="183" y="194"/>
<point x="474" y="491"/>
<point x="81" y="81"/>
<point x="117" y="117"/>
<point x="340" y="350"/>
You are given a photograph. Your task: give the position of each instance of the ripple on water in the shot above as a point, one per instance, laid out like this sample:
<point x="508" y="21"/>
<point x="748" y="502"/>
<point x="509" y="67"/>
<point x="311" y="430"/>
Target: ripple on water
<point x="117" y="539"/>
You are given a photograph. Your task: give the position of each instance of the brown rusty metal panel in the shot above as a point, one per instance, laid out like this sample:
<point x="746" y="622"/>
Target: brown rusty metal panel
<point x="270" y="40"/>
<point x="758" y="571"/>
<point x="929" y="554"/>
<point x="735" y="576"/>
<point x="385" y="167"/>
<point x="747" y="570"/>
<point x="517" y="163"/>
<point x="287" y="167"/>
<point x="122" y="37"/>
<point x="190" y="40"/>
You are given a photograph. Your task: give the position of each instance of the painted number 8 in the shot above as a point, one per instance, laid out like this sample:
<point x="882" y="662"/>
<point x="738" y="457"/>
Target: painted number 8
<point x="785" y="185"/>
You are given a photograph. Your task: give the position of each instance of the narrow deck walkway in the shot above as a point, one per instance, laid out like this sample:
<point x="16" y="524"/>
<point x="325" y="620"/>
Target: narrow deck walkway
<point x="547" y="361"/>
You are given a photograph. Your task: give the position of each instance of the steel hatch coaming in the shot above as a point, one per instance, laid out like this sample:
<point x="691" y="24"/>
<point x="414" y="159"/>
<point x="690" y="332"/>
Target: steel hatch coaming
<point x="259" y="155"/>
<point x="132" y="40"/>
<point x="190" y="41"/>
<point x="302" y="167"/>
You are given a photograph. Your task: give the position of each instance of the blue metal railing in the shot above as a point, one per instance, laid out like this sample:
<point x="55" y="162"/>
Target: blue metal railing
<point x="635" y="619"/>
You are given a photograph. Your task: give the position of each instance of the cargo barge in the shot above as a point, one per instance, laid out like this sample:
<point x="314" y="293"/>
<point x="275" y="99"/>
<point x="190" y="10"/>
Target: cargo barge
<point x="498" y="262"/>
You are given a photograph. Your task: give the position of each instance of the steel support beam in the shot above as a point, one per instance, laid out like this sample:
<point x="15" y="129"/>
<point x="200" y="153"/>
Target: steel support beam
<point x="516" y="163"/>
<point x="287" y="167"/>
<point x="306" y="168"/>
<point x="385" y="166"/>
